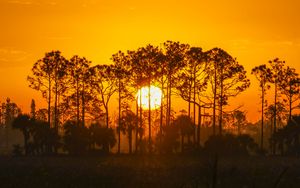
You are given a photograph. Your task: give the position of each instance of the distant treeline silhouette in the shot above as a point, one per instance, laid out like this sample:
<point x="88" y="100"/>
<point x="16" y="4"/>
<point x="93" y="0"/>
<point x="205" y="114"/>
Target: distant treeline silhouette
<point x="78" y="97"/>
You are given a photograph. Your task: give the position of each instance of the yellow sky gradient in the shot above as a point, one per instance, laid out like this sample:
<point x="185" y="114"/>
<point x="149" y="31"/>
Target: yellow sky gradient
<point x="254" y="31"/>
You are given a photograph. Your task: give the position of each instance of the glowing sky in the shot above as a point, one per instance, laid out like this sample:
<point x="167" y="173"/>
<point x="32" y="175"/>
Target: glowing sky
<point x="254" y="31"/>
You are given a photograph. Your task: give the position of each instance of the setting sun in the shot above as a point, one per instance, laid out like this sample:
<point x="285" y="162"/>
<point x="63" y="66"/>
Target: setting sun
<point x="155" y="97"/>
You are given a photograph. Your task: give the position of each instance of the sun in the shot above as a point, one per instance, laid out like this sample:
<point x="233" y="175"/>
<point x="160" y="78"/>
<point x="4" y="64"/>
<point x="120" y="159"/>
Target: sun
<point x="155" y="97"/>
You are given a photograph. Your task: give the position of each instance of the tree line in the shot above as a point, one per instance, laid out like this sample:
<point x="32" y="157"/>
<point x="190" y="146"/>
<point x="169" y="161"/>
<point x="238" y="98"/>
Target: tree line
<point x="78" y="96"/>
<point x="286" y="84"/>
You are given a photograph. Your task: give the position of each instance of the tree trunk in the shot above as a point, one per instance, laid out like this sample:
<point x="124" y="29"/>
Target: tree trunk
<point x="167" y="105"/>
<point x="141" y="116"/>
<point x="290" y="103"/>
<point x="271" y="132"/>
<point x="49" y="102"/>
<point x="221" y="104"/>
<point x="189" y="109"/>
<point x="149" y="118"/>
<point x="119" y="130"/>
<point x="137" y="126"/>
<point x="55" y="105"/>
<point x="262" y="117"/>
<point x="106" y="116"/>
<point x="106" y="145"/>
<point x="83" y="105"/>
<point x="199" y="126"/>
<point x="170" y="103"/>
<point x="194" y="117"/>
<point x="169" y="94"/>
<point x="77" y="101"/>
<point x="161" y="114"/>
<point x="194" y="120"/>
<point x="215" y="98"/>
<point x="275" y="116"/>
<point x="189" y="100"/>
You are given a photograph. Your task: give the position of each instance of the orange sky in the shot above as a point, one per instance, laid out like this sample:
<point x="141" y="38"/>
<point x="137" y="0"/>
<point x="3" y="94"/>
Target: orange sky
<point x="254" y="31"/>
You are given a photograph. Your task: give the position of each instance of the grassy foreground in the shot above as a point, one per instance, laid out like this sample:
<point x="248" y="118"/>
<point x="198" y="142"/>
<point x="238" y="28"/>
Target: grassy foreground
<point x="150" y="171"/>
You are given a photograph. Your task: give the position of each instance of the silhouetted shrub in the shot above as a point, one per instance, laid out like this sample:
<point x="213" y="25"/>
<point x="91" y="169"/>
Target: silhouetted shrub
<point x="287" y="139"/>
<point x="45" y="140"/>
<point x="169" y="142"/>
<point x="229" y="144"/>
<point x="102" y="137"/>
<point x="23" y="122"/>
<point x="76" y="138"/>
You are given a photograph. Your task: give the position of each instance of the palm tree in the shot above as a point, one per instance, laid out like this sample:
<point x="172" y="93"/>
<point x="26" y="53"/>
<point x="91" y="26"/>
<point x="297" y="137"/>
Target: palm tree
<point x="168" y="141"/>
<point x="128" y="122"/>
<point x="76" y="138"/>
<point x="186" y="127"/>
<point x="23" y="122"/>
<point x="103" y="137"/>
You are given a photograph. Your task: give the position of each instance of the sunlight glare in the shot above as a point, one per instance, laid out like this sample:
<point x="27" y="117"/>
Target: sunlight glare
<point x="155" y="97"/>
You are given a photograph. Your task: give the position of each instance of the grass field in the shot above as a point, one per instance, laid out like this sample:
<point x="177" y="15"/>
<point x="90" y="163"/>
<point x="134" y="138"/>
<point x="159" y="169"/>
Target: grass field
<point x="149" y="171"/>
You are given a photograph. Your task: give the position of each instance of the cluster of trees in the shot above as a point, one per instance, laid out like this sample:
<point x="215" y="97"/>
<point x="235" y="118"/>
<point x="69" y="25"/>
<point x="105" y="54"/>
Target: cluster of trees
<point x="286" y="139"/>
<point x="40" y="139"/>
<point x="78" y="95"/>
<point x="8" y="136"/>
<point x="286" y="86"/>
<point x="77" y="91"/>
<point x="8" y="111"/>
